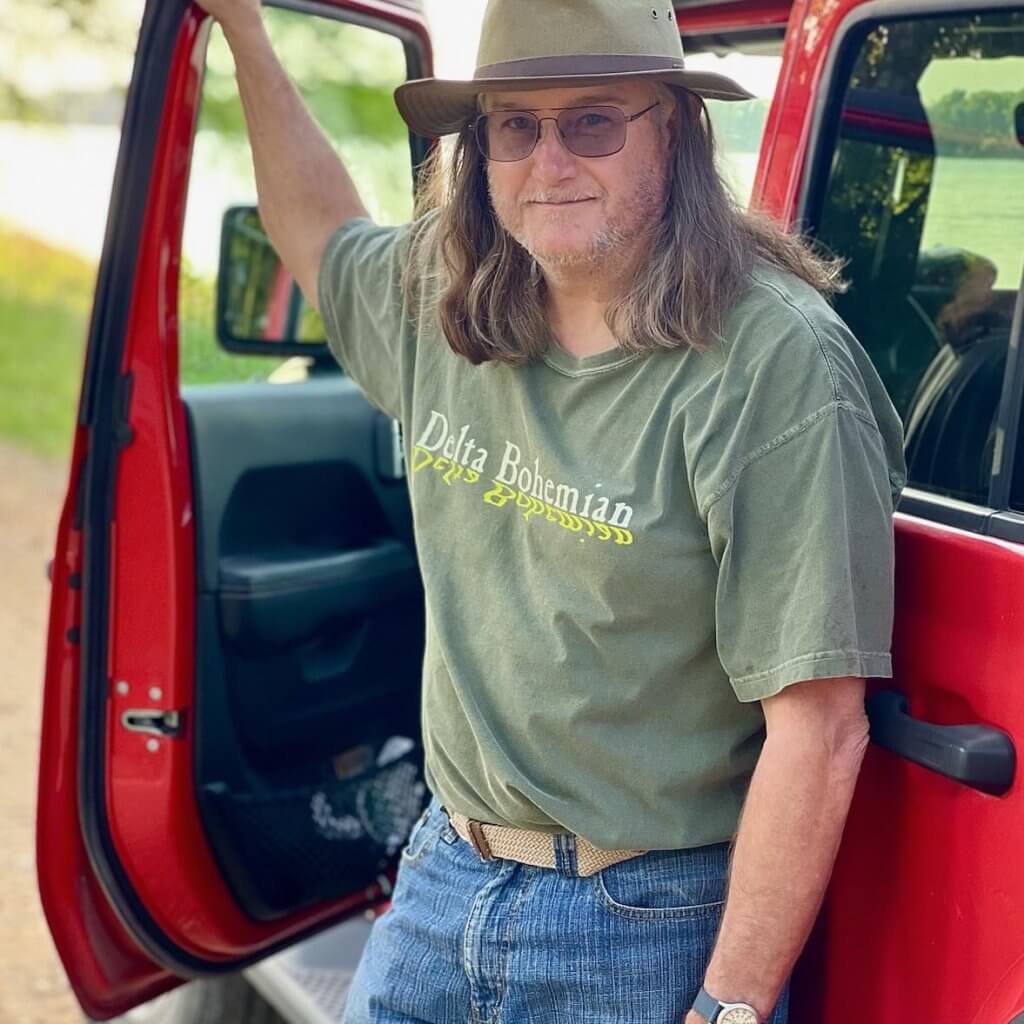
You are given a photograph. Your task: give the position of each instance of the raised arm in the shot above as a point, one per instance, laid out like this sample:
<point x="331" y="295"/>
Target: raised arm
<point x="304" y="190"/>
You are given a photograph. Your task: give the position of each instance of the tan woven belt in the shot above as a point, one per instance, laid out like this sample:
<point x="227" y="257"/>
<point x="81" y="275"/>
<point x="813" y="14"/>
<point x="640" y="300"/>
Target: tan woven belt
<point x="529" y="847"/>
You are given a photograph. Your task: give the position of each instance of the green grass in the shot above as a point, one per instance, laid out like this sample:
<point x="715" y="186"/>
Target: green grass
<point x="41" y="346"/>
<point x="45" y="297"/>
<point x="45" y="300"/>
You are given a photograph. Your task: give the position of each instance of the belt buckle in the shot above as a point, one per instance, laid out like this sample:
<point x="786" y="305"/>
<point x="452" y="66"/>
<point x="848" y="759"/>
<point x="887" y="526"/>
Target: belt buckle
<point x="478" y="840"/>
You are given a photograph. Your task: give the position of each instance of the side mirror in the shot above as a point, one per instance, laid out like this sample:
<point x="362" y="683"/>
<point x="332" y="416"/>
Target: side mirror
<point x="260" y="308"/>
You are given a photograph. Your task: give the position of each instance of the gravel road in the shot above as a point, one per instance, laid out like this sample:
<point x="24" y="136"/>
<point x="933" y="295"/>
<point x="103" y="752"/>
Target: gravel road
<point x="33" y="989"/>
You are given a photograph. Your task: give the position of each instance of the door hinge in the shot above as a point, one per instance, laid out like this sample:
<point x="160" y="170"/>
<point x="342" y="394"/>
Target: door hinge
<point x="154" y="722"/>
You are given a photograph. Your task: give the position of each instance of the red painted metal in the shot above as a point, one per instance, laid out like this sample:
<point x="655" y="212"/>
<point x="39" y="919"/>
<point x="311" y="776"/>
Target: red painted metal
<point x="809" y="38"/>
<point x="98" y="957"/>
<point x="151" y="807"/>
<point x="707" y="19"/>
<point x="923" y="917"/>
<point x="151" y="803"/>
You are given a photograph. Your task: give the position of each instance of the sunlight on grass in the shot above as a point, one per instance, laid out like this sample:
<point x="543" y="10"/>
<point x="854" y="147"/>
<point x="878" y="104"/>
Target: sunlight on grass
<point x="45" y="301"/>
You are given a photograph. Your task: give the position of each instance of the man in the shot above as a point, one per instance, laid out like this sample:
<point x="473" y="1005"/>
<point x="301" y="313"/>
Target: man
<point x="652" y="476"/>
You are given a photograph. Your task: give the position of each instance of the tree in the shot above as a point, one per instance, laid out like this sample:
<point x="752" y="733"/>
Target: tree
<point x="53" y="51"/>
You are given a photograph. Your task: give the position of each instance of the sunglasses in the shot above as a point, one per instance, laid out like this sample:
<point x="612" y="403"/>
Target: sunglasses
<point x="510" y="135"/>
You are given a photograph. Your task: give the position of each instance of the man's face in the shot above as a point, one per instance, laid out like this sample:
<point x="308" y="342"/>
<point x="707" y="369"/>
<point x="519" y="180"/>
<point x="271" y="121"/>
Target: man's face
<point x="567" y="210"/>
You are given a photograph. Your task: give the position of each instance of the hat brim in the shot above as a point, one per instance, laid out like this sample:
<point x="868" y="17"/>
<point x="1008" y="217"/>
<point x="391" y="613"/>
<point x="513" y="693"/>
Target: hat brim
<point x="434" y="106"/>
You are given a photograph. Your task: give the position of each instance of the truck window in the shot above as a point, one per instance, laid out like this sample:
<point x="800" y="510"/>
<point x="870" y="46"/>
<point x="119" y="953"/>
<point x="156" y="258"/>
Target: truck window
<point x="346" y="74"/>
<point x="924" y="199"/>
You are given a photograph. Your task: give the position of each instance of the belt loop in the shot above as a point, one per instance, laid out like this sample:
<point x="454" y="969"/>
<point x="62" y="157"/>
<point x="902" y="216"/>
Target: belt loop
<point x="565" y="855"/>
<point x="480" y="843"/>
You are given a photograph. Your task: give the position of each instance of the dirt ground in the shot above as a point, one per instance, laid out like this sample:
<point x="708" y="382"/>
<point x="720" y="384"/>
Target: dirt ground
<point x="33" y="989"/>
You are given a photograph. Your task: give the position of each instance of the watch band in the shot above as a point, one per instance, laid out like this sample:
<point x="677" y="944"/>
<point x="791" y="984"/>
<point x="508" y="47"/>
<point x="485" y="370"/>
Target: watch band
<point x="707" y="1006"/>
<point x="711" y="1009"/>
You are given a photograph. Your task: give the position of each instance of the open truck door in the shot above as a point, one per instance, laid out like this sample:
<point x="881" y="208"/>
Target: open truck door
<point x="894" y="143"/>
<point x="236" y="621"/>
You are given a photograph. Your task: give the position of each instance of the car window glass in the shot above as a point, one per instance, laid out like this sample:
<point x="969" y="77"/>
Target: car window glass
<point x="347" y="75"/>
<point x="925" y="199"/>
<point x="739" y="126"/>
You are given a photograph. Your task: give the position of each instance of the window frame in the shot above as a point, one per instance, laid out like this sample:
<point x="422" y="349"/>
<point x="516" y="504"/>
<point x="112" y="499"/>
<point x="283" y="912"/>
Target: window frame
<point x="995" y="518"/>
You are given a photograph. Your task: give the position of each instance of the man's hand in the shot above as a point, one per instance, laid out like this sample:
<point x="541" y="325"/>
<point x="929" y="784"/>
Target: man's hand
<point x="230" y="12"/>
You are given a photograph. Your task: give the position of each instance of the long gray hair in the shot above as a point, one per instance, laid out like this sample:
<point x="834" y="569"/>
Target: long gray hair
<point x="492" y="299"/>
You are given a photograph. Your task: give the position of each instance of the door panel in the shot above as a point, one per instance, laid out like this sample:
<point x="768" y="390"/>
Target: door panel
<point x="136" y="886"/>
<point x="924" y="911"/>
<point x="923" y="917"/>
<point x="308" y="574"/>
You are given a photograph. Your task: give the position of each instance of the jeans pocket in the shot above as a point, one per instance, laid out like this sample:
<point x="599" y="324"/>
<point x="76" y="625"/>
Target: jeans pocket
<point x="428" y="825"/>
<point x="666" y="885"/>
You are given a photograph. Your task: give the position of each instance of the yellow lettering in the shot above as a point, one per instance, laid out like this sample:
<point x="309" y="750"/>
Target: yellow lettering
<point x="536" y="508"/>
<point x="570" y="522"/>
<point x="603" y="533"/>
<point x="472" y="476"/>
<point x="499" y="495"/>
<point x="454" y="473"/>
<point x="421" y="458"/>
<point x="622" y="536"/>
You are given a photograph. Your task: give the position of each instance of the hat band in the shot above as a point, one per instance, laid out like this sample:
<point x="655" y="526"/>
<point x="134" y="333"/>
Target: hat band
<point x="584" y="64"/>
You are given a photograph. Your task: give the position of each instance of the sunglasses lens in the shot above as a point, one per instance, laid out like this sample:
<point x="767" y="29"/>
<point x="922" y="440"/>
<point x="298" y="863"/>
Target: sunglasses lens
<point x="508" y="135"/>
<point x="593" y="131"/>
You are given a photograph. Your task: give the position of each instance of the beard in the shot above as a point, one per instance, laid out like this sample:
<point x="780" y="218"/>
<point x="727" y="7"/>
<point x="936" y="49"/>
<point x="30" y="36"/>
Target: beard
<point x="617" y="242"/>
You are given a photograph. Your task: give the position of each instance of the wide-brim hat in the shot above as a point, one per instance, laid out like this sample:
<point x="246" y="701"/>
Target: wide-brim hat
<point x="547" y="44"/>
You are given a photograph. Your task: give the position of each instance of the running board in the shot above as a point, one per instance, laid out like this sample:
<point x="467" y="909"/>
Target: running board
<point x="308" y="983"/>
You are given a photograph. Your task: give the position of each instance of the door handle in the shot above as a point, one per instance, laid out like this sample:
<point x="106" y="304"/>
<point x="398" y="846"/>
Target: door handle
<point x="978" y="756"/>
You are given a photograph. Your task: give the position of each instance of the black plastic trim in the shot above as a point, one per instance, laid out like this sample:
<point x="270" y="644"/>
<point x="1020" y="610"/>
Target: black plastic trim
<point x="1009" y="425"/>
<point x="978" y="756"/>
<point x="821" y="146"/>
<point x="948" y="511"/>
<point x="731" y="38"/>
<point x="1007" y="526"/>
<point x="104" y="411"/>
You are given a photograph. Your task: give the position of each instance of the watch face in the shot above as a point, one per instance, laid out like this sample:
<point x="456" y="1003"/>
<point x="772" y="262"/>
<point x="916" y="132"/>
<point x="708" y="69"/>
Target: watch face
<point x="738" y="1015"/>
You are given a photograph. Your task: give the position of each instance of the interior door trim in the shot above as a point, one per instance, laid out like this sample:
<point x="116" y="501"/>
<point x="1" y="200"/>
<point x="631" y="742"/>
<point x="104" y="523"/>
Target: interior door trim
<point x="1009" y="424"/>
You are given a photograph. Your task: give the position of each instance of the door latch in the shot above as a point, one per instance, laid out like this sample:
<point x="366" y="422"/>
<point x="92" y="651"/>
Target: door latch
<point x="154" y="722"/>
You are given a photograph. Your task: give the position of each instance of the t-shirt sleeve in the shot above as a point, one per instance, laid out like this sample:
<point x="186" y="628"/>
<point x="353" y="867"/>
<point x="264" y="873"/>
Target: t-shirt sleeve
<point x="365" y="310"/>
<point x="803" y="536"/>
<point x="797" y="464"/>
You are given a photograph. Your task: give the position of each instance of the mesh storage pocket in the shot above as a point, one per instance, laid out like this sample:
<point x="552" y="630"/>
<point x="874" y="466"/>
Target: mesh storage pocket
<point x="287" y="848"/>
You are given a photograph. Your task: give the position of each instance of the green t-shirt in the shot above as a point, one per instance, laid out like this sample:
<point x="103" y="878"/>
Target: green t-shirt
<point x="622" y="554"/>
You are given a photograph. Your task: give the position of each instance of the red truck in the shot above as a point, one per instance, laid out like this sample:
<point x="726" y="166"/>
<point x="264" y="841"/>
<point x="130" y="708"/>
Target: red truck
<point x="236" y="622"/>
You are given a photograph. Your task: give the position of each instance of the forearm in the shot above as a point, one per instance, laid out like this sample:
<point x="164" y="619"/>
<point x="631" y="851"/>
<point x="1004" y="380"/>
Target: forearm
<point x="788" y="837"/>
<point x="304" y="190"/>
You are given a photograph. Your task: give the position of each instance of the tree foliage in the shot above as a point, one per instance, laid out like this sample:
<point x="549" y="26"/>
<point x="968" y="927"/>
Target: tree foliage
<point x="53" y="51"/>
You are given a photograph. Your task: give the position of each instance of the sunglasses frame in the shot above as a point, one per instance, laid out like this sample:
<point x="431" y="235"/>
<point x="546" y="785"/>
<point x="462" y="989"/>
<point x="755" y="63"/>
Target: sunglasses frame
<point x="628" y="119"/>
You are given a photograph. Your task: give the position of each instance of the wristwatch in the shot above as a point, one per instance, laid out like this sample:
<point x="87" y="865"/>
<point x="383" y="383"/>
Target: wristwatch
<point x="724" y="1013"/>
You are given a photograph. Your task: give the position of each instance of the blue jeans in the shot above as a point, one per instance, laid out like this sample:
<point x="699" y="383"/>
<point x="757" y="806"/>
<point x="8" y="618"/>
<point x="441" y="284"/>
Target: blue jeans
<point x="469" y="941"/>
